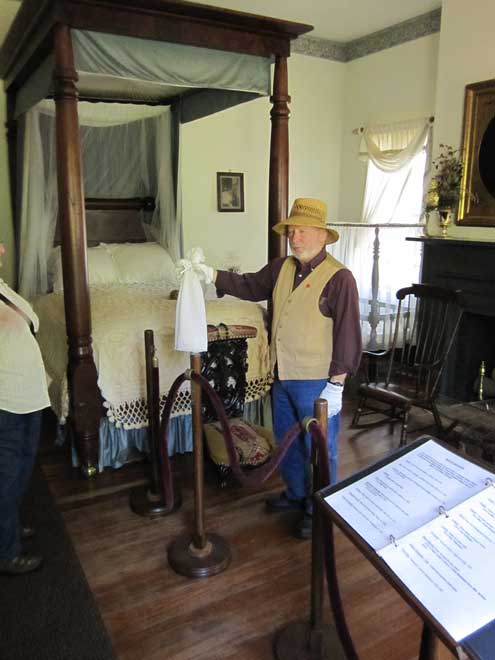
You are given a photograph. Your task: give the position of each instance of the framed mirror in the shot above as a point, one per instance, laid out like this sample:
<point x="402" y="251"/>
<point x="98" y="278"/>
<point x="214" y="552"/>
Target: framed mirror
<point x="477" y="202"/>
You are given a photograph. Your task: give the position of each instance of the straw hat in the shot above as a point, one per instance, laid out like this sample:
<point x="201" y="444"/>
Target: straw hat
<point x="307" y="212"/>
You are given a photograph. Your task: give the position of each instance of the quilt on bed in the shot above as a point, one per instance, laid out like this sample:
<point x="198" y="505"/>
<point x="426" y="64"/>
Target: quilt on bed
<point x="120" y="315"/>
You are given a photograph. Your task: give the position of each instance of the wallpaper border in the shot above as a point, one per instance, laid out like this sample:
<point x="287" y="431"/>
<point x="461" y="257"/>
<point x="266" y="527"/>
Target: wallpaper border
<point x="400" y="33"/>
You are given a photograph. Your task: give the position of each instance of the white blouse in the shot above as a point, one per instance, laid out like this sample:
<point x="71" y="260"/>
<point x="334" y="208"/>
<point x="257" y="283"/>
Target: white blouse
<point x="23" y="384"/>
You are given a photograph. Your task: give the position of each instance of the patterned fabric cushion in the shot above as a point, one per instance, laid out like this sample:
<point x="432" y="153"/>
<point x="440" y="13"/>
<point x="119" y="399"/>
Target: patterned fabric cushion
<point x="254" y="444"/>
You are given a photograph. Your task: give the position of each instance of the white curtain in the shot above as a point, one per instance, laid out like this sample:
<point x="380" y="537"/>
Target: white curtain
<point x="126" y="153"/>
<point x="398" y="156"/>
<point x="39" y="205"/>
<point x="392" y="146"/>
<point x="399" y="263"/>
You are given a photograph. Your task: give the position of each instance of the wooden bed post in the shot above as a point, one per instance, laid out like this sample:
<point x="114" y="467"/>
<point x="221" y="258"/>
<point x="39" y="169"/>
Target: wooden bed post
<point x="279" y="159"/>
<point x="85" y="398"/>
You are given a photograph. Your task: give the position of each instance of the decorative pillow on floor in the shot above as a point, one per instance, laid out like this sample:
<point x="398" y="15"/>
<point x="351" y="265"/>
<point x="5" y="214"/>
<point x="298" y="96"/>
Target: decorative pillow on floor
<point x="254" y="444"/>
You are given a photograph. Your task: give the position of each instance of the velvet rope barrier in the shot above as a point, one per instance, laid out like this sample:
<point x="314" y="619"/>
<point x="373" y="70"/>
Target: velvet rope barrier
<point x="325" y="534"/>
<point x="202" y="554"/>
<point x="262" y="473"/>
<point x="168" y="491"/>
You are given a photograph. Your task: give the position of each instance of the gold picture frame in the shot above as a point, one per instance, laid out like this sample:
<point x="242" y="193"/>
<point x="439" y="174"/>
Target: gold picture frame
<point x="477" y="200"/>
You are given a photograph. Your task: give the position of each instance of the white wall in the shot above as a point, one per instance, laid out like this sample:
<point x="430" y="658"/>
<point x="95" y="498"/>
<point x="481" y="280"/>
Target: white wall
<point x="6" y="229"/>
<point x="316" y="124"/>
<point x="234" y="140"/>
<point x="238" y="139"/>
<point x="392" y="85"/>
<point x="466" y="55"/>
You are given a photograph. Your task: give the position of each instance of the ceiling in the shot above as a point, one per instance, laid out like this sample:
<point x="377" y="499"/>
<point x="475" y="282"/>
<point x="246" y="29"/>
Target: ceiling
<point x="336" y="20"/>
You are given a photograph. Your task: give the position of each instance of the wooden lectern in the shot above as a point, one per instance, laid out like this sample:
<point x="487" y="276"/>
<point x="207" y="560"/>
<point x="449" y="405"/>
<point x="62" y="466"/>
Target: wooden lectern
<point x="425" y="518"/>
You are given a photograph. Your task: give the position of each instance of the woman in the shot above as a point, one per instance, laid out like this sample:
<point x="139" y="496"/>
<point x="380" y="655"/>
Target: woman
<point x="23" y="395"/>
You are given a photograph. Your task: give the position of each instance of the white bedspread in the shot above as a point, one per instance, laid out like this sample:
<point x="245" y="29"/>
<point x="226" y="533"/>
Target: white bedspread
<point x="120" y="315"/>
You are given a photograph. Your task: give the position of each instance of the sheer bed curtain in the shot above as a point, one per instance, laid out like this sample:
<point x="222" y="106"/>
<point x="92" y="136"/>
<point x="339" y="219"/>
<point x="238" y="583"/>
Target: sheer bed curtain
<point x="39" y="204"/>
<point x="126" y="153"/>
<point x="398" y="157"/>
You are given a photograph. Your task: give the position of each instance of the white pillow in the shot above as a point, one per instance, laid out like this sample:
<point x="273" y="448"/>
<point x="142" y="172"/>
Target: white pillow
<point x="142" y="262"/>
<point x="101" y="268"/>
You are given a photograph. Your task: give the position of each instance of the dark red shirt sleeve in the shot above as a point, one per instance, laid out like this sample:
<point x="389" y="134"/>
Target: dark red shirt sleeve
<point x="340" y="301"/>
<point x="250" y="286"/>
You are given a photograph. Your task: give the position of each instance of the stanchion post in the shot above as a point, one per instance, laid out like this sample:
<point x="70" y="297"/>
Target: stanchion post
<point x="320" y="412"/>
<point x="149" y="500"/>
<point x="312" y="640"/>
<point x="197" y="422"/>
<point x="198" y="554"/>
<point x="153" y="393"/>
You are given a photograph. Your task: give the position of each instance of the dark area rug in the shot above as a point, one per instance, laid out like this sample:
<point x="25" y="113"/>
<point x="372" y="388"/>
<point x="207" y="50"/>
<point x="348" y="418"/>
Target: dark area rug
<point x="50" y="614"/>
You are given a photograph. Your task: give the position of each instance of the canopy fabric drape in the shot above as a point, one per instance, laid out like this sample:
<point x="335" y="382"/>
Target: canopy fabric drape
<point x="169" y="63"/>
<point x="126" y="153"/>
<point x="155" y="69"/>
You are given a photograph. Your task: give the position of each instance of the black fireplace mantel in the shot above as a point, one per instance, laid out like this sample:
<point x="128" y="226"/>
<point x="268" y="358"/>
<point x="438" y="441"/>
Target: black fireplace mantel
<point x="468" y="265"/>
<point x="463" y="264"/>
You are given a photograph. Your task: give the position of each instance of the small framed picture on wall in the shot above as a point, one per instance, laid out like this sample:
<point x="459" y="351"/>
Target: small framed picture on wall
<point x="230" y="191"/>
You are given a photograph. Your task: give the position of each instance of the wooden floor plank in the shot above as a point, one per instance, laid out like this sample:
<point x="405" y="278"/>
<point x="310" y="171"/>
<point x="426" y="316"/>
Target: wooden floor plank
<point x="152" y="613"/>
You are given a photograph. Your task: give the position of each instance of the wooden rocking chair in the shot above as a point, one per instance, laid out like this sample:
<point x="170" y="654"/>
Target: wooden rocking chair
<point x="426" y="324"/>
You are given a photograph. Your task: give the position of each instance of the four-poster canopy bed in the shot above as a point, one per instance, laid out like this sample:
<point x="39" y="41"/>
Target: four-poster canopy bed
<point x="184" y="59"/>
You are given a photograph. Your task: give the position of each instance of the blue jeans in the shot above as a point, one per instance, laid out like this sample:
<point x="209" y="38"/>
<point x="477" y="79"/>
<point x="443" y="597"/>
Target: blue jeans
<point x="292" y="401"/>
<point x="19" y="438"/>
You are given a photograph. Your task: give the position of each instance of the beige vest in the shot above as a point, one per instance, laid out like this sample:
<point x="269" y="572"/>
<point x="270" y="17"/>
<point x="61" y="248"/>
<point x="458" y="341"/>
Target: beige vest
<point x="301" y="343"/>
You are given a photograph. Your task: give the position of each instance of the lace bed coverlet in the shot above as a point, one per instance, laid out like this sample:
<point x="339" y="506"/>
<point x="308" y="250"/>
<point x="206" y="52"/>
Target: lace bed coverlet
<point x="120" y="315"/>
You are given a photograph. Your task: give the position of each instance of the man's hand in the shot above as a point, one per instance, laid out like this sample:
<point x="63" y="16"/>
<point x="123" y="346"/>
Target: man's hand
<point x="206" y="273"/>
<point x="333" y="396"/>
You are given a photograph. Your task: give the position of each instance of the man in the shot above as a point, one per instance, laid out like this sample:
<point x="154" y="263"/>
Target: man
<point x="315" y="340"/>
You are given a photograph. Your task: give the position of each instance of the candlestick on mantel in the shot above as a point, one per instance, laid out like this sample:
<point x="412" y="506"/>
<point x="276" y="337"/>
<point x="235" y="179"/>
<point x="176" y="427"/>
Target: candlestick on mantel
<point x="482" y="375"/>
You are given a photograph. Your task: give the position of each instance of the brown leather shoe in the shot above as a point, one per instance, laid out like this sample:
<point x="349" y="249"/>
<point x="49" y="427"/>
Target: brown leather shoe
<point x="27" y="532"/>
<point x="304" y="528"/>
<point x="19" y="565"/>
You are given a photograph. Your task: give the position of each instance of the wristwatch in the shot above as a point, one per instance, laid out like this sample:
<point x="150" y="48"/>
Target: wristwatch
<point x="334" y="382"/>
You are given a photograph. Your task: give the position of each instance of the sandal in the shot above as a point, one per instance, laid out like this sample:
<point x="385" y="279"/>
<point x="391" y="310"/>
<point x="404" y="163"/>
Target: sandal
<point x="19" y="565"/>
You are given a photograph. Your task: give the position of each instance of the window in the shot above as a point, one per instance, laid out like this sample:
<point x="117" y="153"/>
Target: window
<point x="395" y="197"/>
<point x="376" y="250"/>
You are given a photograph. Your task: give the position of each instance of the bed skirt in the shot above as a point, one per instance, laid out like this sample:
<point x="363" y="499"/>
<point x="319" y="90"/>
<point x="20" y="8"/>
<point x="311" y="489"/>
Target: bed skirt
<point x="118" y="446"/>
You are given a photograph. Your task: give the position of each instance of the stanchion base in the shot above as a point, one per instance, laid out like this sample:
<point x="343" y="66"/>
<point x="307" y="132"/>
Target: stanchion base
<point x="186" y="560"/>
<point x="142" y="503"/>
<point x="293" y="643"/>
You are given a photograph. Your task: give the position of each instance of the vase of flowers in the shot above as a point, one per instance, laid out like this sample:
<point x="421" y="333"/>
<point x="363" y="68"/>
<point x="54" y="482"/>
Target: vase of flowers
<point x="445" y="186"/>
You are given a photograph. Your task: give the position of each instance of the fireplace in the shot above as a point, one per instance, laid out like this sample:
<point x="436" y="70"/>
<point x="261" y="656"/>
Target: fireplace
<point x="470" y="266"/>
